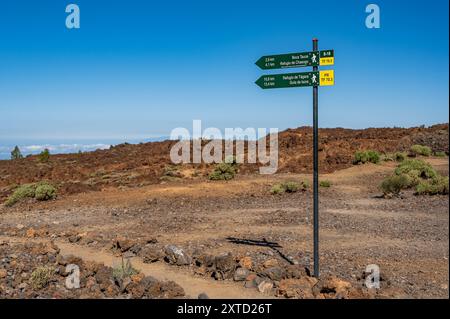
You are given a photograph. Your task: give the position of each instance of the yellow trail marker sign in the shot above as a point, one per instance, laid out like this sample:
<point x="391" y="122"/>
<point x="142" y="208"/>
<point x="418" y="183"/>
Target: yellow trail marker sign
<point x="326" y="77"/>
<point x="326" y="57"/>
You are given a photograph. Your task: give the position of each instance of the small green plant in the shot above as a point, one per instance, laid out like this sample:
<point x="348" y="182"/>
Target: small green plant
<point x="416" y="168"/>
<point x="415" y="173"/>
<point x="44" y="156"/>
<point x="325" y="183"/>
<point x="387" y="157"/>
<point x="421" y="150"/>
<point x="400" y="156"/>
<point x="124" y="270"/>
<point x="45" y="191"/>
<point x="277" y="189"/>
<point x="16" y="154"/>
<point x="291" y="187"/>
<point x="288" y="187"/>
<point x="223" y="171"/>
<point x="40" y="277"/>
<point x="394" y="184"/>
<point x="437" y="185"/>
<point x="21" y="192"/>
<point x="362" y="157"/>
<point x="440" y="154"/>
<point x="40" y="191"/>
<point x="171" y="171"/>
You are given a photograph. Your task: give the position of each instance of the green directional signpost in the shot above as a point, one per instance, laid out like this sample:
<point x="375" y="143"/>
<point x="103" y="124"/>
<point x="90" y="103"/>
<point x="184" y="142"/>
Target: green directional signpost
<point x="296" y="60"/>
<point x="314" y="79"/>
<point x="276" y="81"/>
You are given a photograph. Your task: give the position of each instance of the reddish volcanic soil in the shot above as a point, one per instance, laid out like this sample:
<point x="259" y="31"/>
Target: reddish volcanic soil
<point x="229" y="239"/>
<point x="128" y="165"/>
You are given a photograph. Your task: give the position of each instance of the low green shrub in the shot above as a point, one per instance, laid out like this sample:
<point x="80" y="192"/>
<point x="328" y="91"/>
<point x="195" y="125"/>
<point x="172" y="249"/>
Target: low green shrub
<point x="40" y="277"/>
<point x="277" y="189"/>
<point x="45" y="191"/>
<point x="21" y="192"/>
<point x="289" y="187"/>
<point x="437" y="185"/>
<point x="440" y="154"/>
<point x="325" y="183"/>
<point x="421" y="150"/>
<point x="40" y="191"/>
<point x="394" y="184"/>
<point x="416" y="168"/>
<point x="223" y="171"/>
<point x="124" y="270"/>
<point x="400" y="156"/>
<point x="388" y="157"/>
<point x="415" y="173"/>
<point x="369" y="156"/>
<point x="172" y="171"/>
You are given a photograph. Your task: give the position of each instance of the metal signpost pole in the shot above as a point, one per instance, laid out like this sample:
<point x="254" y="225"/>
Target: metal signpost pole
<point x="316" y="168"/>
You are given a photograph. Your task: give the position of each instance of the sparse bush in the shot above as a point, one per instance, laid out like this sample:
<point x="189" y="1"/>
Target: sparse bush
<point x="325" y="183"/>
<point x="416" y="169"/>
<point x="440" y="154"/>
<point x="40" y="277"/>
<point x="305" y="184"/>
<point x="44" y="156"/>
<point x="291" y="187"/>
<point x="415" y="173"/>
<point x="288" y="187"/>
<point x="387" y="157"/>
<point x="45" y="191"/>
<point x="223" y="171"/>
<point x="421" y="150"/>
<point x="22" y="192"/>
<point x="394" y="184"/>
<point x="40" y="191"/>
<point x="277" y="189"/>
<point x="124" y="270"/>
<point x="400" y="156"/>
<point x="171" y="171"/>
<point x="16" y="154"/>
<point x="437" y="185"/>
<point x="362" y="157"/>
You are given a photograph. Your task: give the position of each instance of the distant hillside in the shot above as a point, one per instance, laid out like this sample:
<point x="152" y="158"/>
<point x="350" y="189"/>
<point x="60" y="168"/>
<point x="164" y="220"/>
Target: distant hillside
<point x="141" y="164"/>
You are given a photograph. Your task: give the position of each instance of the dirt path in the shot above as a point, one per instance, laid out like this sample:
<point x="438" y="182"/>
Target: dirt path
<point x="193" y="286"/>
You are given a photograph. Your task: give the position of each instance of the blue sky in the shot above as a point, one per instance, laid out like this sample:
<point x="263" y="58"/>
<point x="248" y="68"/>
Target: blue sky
<point x="138" y="69"/>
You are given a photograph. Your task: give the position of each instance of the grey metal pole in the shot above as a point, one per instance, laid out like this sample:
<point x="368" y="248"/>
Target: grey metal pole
<point x="316" y="168"/>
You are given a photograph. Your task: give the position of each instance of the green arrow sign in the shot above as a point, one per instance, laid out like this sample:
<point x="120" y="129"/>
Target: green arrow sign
<point x="288" y="80"/>
<point x="295" y="60"/>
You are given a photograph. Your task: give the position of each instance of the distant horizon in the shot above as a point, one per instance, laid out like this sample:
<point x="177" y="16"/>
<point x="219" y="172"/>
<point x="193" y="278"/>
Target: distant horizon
<point x="33" y="146"/>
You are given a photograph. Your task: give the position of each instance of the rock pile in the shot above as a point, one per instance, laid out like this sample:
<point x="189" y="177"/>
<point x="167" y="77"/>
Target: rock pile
<point x="38" y="270"/>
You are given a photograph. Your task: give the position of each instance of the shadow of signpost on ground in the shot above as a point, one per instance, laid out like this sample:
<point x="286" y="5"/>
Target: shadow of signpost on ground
<point x="263" y="243"/>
